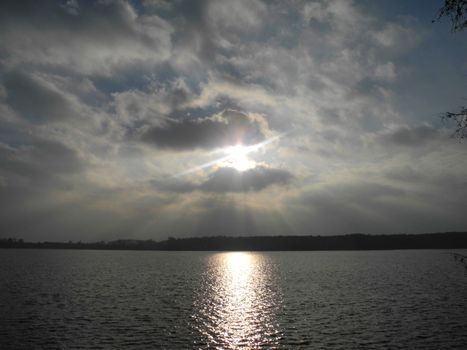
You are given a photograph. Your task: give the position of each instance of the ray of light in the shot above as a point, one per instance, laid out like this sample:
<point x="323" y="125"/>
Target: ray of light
<point x="246" y="150"/>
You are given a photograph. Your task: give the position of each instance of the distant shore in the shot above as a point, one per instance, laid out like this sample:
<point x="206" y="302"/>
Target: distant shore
<point x="356" y="241"/>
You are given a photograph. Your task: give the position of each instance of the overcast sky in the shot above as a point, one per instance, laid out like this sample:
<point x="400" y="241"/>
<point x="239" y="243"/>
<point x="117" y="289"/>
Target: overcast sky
<point x="116" y="118"/>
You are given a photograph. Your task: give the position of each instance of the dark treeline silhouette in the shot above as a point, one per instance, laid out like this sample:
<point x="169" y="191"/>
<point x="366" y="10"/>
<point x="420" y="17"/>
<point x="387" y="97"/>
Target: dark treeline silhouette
<point x="447" y="240"/>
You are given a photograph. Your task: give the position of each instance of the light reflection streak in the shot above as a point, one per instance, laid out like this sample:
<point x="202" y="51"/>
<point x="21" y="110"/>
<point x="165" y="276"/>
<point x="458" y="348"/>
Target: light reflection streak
<point x="238" y="308"/>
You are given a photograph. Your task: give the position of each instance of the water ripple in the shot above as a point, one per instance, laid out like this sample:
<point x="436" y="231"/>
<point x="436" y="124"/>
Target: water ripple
<point x="182" y="300"/>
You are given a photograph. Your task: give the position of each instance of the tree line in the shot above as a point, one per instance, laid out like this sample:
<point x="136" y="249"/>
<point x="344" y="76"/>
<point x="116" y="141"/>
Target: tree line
<point x="357" y="241"/>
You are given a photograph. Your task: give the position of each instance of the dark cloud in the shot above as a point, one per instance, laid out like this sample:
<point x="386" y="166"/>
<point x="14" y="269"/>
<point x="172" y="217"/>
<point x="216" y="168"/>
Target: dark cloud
<point x="34" y="99"/>
<point x="228" y="128"/>
<point x="371" y="207"/>
<point x="34" y="214"/>
<point x="174" y="185"/>
<point x="42" y="162"/>
<point x="231" y="180"/>
<point x="224" y="217"/>
<point x="411" y="136"/>
<point x="406" y="174"/>
<point x="227" y="179"/>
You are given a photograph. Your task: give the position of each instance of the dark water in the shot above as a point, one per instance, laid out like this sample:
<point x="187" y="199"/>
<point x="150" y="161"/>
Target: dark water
<point x="69" y="299"/>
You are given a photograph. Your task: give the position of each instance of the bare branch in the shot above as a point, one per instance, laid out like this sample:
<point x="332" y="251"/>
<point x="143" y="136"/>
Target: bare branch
<point x="460" y="118"/>
<point x="456" y="10"/>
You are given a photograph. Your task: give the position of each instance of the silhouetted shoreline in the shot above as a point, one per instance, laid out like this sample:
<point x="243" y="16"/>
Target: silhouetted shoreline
<point x="446" y="240"/>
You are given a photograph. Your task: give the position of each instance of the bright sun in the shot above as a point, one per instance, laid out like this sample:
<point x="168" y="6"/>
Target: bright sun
<point x="237" y="158"/>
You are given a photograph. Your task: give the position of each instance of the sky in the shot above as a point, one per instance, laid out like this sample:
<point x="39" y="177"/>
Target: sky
<point x="152" y="119"/>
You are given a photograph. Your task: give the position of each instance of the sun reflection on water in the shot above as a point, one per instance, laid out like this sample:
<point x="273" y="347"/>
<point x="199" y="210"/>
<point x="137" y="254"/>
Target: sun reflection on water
<point x="239" y="302"/>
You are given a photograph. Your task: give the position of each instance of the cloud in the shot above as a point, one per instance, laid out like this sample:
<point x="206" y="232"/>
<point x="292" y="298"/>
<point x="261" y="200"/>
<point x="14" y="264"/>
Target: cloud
<point x="229" y="127"/>
<point x="209" y="31"/>
<point x="92" y="38"/>
<point x="35" y="98"/>
<point x="99" y="98"/>
<point x="227" y="179"/>
<point x="372" y="205"/>
<point x="231" y="180"/>
<point x="134" y="106"/>
<point x="386" y="71"/>
<point x="405" y="174"/>
<point x="174" y="186"/>
<point x="411" y="136"/>
<point x="39" y="163"/>
<point x="243" y="16"/>
<point x="398" y="36"/>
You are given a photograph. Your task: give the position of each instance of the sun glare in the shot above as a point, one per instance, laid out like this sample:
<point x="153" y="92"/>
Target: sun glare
<point x="237" y="158"/>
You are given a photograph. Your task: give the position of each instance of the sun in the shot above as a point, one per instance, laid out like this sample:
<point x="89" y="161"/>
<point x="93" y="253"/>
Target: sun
<point x="237" y="158"/>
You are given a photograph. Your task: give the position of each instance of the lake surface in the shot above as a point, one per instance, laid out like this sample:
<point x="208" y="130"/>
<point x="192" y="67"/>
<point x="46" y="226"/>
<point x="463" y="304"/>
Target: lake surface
<point x="66" y="299"/>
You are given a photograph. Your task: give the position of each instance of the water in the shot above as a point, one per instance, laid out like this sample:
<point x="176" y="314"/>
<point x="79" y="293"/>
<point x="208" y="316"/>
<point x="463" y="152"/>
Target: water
<point x="67" y="299"/>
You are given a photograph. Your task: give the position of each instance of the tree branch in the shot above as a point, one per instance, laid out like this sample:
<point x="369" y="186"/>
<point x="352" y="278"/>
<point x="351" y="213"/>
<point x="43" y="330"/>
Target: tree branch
<point x="460" y="118"/>
<point x="456" y="10"/>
